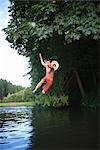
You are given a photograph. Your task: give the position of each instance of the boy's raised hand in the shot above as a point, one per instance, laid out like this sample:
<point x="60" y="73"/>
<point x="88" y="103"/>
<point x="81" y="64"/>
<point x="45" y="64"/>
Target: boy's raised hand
<point x="40" y="55"/>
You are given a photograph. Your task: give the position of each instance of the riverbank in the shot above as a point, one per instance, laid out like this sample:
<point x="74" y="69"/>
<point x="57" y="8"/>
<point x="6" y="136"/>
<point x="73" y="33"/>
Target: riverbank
<point x="16" y="104"/>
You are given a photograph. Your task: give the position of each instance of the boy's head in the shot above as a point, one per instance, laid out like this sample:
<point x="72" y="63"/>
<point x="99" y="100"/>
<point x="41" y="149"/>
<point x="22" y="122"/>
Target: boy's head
<point x="52" y="63"/>
<point x="48" y="62"/>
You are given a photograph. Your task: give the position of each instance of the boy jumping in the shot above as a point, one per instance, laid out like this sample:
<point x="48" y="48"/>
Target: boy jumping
<point x="47" y="80"/>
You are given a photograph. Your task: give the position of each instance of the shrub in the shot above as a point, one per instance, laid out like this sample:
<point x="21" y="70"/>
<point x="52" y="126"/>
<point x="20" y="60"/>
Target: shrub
<point x="21" y="96"/>
<point x="26" y="95"/>
<point x="52" y="101"/>
<point x="91" y="100"/>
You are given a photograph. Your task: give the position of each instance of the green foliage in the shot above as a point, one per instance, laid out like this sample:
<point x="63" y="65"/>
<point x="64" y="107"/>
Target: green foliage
<point x="61" y="29"/>
<point x="35" y="22"/>
<point x="8" y="88"/>
<point x="91" y="100"/>
<point x="21" y="96"/>
<point x="52" y="101"/>
<point x="26" y="95"/>
<point x="16" y="97"/>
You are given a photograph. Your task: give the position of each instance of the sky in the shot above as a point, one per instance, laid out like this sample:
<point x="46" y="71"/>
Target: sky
<point x="13" y="67"/>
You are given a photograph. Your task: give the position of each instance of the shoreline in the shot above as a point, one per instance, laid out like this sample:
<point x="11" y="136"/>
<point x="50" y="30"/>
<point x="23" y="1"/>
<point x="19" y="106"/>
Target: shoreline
<point x="16" y="104"/>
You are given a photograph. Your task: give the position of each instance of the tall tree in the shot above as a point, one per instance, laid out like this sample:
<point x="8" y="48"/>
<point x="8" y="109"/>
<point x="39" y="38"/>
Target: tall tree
<point x="56" y="28"/>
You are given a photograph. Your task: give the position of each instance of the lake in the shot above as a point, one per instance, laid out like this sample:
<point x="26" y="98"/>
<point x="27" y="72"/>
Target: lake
<point x="29" y="128"/>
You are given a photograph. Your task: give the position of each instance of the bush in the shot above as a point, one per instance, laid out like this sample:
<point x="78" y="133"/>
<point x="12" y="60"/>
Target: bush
<point x="52" y="101"/>
<point x="26" y="95"/>
<point x="21" y="96"/>
<point x="91" y="100"/>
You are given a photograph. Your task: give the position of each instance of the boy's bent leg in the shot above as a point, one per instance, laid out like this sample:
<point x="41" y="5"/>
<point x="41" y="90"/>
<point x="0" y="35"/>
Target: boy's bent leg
<point x="39" y="85"/>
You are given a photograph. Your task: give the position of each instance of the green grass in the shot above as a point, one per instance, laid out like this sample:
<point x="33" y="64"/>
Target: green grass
<point x="16" y="104"/>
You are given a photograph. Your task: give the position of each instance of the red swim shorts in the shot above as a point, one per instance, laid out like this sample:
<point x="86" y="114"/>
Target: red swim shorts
<point x="47" y="84"/>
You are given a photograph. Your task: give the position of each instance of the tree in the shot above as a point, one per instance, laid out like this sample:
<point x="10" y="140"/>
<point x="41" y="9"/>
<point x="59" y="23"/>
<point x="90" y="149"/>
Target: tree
<point x="56" y="28"/>
<point x="35" y="22"/>
<point x="8" y="88"/>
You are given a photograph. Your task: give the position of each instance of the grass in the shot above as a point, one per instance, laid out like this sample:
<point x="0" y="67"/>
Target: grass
<point x="16" y="104"/>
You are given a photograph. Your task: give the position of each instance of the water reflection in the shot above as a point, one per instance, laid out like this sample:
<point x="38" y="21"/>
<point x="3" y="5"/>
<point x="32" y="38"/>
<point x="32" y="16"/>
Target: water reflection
<point x="28" y="128"/>
<point x="15" y="128"/>
<point x="66" y="129"/>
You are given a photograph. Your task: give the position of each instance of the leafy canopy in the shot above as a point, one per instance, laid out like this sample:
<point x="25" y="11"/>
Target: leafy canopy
<point x="49" y="26"/>
<point x="33" y="23"/>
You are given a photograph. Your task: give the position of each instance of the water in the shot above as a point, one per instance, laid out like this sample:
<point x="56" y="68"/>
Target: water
<point x="29" y="128"/>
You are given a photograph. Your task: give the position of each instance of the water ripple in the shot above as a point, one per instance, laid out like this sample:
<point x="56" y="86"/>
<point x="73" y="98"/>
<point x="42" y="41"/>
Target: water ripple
<point x="15" y="128"/>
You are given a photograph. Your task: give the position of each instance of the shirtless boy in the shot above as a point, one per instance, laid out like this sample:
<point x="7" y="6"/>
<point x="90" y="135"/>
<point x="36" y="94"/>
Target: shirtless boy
<point x="47" y="80"/>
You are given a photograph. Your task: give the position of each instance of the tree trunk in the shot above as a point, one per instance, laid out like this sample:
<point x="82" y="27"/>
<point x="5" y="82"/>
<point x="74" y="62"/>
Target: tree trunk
<point x="79" y="83"/>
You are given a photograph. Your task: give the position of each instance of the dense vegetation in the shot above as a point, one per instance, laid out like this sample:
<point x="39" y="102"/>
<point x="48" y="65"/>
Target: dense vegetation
<point x="67" y="31"/>
<point x="26" y="95"/>
<point x="8" y="88"/>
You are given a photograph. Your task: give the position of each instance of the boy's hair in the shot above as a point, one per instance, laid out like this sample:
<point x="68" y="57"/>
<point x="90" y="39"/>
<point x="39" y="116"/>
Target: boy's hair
<point x="48" y="60"/>
<point x="45" y="60"/>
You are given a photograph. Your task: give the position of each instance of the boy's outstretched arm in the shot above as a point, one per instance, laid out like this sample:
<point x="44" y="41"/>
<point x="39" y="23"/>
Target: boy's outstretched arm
<point x="41" y="59"/>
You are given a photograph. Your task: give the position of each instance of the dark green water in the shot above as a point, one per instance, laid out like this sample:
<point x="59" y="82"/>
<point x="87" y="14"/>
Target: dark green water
<point x="28" y="128"/>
